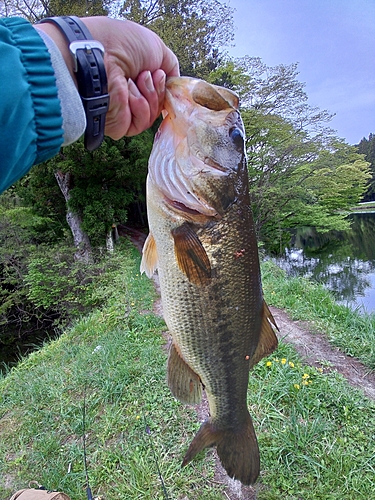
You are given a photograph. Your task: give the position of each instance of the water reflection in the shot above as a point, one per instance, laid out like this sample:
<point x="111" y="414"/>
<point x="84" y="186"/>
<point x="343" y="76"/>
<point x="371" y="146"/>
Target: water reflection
<point x="344" y="262"/>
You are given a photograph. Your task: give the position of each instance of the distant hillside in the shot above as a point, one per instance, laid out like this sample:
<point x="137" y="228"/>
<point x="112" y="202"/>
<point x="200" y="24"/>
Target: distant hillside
<point x="367" y="147"/>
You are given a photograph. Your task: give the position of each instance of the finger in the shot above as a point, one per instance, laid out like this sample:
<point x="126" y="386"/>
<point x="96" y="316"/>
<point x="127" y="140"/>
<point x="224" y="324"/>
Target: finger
<point x="147" y="87"/>
<point x="159" y="78"/>
<point x="119" y="115"/>
<point x="170" y="63"/>
<point x="155" y="98"/>
<point x="140" y="110"/>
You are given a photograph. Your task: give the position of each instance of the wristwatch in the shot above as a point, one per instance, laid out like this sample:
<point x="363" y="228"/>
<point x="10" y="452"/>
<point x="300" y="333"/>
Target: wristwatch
<point x="91" y="75"/>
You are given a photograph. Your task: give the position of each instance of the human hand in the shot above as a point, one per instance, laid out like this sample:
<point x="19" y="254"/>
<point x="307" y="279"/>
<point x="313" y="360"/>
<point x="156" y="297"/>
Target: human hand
<point x="137" y="63"/>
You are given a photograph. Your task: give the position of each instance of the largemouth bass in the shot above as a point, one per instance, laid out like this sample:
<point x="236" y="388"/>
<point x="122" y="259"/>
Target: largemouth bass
<point x="202" y="242"/>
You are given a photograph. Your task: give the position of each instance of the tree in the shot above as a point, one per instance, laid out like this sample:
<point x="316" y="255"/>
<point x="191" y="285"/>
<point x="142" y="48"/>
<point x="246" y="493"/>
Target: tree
<point x="98" y="186"/>
<point x="367" y="147"/>
<point x="196" y="30"/>
<point x="34" y="10"/>
<point x="300" y="173"/>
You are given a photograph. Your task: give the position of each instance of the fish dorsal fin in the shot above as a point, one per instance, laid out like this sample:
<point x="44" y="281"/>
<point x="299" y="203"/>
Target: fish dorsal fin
<point x="206" y="95"/>
<point x="268" y="340"/>
<point x="149" y="261"/>
<point x="191" y="256"/>
<point x="183" y="382"/>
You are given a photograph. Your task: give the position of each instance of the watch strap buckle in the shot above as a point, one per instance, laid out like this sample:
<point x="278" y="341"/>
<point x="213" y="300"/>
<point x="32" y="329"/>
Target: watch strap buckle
<point x="87" y="46"/>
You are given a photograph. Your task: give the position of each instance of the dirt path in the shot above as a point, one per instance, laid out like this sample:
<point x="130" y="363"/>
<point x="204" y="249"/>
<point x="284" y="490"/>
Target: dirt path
<point x="314" y="349"/>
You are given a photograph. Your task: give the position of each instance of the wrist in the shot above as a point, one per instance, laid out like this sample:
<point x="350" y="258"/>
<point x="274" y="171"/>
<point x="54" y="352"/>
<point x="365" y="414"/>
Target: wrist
<point x="88" y="66"/>
<point x="55" y="34"/>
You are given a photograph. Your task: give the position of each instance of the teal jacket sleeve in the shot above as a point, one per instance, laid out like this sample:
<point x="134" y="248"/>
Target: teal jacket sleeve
<point x="30" y="115"/>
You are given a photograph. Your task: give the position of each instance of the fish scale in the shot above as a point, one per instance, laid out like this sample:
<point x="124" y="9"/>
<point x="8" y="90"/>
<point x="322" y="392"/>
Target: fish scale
<point x="202" y="241"/>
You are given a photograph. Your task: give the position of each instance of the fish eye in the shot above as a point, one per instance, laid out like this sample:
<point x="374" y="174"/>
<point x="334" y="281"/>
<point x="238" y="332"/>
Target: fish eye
<point x="237" y="137"/>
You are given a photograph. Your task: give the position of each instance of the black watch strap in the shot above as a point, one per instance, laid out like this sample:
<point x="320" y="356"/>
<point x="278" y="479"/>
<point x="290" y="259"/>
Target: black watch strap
<point x="91" y="75"/>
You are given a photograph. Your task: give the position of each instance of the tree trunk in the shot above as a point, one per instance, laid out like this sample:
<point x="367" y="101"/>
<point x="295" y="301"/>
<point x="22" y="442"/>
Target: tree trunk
<point x="112" y="238"/>
<point x="109" y="243"/>
<point x="74" y="220"/>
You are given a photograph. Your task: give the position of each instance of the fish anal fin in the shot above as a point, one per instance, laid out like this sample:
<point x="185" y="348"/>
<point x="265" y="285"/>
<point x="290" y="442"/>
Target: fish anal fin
<point x="191" y="256"/>
<point x="268" y="340"/>
<point x="183" y="382"/>
<point x="237" y="449"/>
<point x="149" y="261"/>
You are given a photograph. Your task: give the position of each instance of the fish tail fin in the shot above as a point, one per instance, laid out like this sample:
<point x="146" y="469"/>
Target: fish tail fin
<point x="237" y="449"/>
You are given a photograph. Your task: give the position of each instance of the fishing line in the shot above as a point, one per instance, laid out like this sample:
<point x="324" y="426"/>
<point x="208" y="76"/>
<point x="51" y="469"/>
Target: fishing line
<point x="148" y="432"/>
<point x="88" y="489"/>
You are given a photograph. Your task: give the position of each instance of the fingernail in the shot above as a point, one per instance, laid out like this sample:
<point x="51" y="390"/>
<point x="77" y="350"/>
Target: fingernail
<point x="161" y="84"/>
<point x="148" y="82"/>
<point x="133" y="89"/>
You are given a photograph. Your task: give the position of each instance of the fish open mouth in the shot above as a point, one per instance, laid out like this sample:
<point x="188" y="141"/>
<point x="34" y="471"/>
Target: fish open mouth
<point x="183" y="208"/>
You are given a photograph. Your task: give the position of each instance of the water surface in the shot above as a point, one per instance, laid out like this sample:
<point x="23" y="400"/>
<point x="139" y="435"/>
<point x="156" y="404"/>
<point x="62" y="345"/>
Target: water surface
<point x="343" y="261"/>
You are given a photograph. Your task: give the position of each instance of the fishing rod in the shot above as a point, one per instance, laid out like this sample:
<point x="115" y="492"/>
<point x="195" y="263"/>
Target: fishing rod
<point x="148" y="432"/>
<point x="88" y="489"/>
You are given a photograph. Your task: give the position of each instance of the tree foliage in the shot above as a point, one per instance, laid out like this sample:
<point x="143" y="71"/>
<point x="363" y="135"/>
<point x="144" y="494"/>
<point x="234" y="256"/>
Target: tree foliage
<point x="301" y="174"/>
<point x="34" y="10"/>
<point x="367" y="148"/>
<point x="102" y="184"/>
<point x="42" y="285"/>
<point x="196" y="30"/>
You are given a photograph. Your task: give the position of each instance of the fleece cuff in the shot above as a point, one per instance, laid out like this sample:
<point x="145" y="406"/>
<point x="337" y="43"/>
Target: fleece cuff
<point x="73" y="114"/>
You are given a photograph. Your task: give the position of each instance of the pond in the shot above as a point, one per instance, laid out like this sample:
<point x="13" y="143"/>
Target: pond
<point x="344" y="262"/>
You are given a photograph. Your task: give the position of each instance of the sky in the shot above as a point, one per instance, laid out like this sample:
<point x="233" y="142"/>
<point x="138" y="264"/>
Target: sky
<point x="333" y="42"/>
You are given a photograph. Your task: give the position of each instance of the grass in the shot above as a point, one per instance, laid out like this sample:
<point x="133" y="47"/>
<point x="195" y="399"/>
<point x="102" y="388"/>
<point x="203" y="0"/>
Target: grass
<point x="316" y="434"/>
<point x="351" y="331"/>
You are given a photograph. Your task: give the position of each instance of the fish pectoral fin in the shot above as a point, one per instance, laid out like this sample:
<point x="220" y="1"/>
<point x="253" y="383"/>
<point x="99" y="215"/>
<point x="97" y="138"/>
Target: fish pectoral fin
<point x="183" y="382"/>
<point x="237" y="449"/>
<point x="149" y="261"/>
<point x="268" y="340"/>
<point x="191" y="256"/>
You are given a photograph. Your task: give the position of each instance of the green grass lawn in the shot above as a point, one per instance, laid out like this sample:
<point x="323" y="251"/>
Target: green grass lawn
<point x="316" y="434"/>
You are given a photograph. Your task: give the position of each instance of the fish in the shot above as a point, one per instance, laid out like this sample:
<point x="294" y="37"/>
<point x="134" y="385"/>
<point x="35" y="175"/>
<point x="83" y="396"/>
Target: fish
<point x="202" y="243"/>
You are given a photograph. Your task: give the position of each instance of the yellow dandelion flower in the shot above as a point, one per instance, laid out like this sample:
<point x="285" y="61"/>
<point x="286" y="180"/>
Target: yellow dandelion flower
<point x="283" y="361"/>
<point x="132" y="303"/>
<point x="305" y="376"/>
<point x="320" y="370"/>
<point x="276" y="360"/>
<point x="269" y="363"/>
<point x="297" y="386"/>
<point x="305" y="382"/>
<point x="291" y="364"/>
<point x="137" y="417"/>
